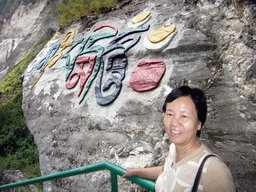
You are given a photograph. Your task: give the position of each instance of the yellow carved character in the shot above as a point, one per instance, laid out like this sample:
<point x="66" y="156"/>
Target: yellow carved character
<point x="65" y="43"/>
<point x="161" y="34"/>
<point x="141" y="17"/>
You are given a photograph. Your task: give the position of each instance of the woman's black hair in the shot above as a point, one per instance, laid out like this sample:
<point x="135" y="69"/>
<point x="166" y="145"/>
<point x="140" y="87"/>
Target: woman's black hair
<point x="198" y="97"/>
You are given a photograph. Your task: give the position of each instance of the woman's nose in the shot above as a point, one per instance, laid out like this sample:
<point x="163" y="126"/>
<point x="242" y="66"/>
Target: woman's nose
<point x="175" y="121"/>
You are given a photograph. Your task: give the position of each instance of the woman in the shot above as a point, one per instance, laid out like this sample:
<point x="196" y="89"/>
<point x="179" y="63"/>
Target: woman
<point x="185" y="112"/>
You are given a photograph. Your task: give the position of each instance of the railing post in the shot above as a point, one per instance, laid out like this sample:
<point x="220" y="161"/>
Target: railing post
<point x="114" y="186"/>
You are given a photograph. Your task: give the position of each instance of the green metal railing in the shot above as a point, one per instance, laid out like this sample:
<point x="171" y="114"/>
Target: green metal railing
<point x="114" y="169"/>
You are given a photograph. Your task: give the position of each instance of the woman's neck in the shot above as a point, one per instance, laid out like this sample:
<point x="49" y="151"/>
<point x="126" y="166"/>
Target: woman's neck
<point x="183" y="151"/>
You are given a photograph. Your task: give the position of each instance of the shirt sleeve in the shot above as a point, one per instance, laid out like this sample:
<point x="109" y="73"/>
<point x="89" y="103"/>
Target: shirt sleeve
<point x="217" y="177"/>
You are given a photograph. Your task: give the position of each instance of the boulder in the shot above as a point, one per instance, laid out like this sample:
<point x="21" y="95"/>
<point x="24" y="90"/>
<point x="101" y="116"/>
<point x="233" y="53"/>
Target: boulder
<point x="110" y="121"/>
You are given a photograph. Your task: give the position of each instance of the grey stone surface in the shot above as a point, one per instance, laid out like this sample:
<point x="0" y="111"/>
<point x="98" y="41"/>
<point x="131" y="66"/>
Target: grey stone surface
<point x="12" y="176"/>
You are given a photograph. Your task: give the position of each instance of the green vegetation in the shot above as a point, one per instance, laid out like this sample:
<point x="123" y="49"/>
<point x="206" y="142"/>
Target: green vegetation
<point x="72" y="10"/>
<point x="99" y="6"/>
<point x="12" y="83"/>
<point x="18" y="150"/>
<point x="17" y="147"/>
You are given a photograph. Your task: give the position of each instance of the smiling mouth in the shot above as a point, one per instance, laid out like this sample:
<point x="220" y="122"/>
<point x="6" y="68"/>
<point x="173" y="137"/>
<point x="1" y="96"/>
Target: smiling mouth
<point x="173" y="131"/>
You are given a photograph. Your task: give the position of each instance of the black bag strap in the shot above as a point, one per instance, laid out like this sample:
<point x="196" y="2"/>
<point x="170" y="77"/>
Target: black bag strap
<point x="199" y="173"/>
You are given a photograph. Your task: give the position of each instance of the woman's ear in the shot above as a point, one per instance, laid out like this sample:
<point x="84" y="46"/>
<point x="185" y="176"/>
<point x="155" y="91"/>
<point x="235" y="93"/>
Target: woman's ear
<point x="199" y="125"/>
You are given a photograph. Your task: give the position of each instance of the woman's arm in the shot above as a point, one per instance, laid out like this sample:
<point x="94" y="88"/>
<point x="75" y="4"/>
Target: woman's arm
<point x="151" y="173"/>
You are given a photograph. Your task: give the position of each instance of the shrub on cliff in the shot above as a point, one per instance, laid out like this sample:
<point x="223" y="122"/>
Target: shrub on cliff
<point x="18" y="150"/>
<point x="72" y="10"/>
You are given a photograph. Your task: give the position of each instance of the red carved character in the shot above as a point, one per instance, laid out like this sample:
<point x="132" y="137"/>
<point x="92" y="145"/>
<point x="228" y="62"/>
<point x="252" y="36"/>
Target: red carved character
<point x="147" y="75"/>
<point x="80" y="72"/>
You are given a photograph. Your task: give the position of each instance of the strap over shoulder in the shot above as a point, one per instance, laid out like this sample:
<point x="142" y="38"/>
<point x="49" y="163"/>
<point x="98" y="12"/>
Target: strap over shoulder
<point x="199" y="173"/>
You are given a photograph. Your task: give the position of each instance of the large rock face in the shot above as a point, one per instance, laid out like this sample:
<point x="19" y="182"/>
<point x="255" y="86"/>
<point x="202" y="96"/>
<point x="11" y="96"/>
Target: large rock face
<point x="15" y="29"/>
<point x="124" y="126"/>
<point x="23" y="23"/>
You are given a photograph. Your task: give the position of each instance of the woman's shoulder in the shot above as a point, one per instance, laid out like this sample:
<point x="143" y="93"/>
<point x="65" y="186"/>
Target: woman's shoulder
<point x="214" y="162"/>
<point x="217" y="174"/>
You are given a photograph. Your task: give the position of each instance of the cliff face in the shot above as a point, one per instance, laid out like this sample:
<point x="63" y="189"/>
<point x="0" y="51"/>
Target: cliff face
<point x="213" y="48"/>
<point x="23" y="23"/>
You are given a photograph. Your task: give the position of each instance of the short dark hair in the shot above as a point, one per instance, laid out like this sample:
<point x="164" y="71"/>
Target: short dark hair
<point x="198" y="97"/>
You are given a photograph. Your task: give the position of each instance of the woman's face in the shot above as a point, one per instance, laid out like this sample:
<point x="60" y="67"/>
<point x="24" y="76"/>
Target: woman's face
<point x="181" y="121"/>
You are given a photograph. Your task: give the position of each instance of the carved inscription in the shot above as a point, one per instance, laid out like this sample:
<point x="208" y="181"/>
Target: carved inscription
<point x="109" y="63"/>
